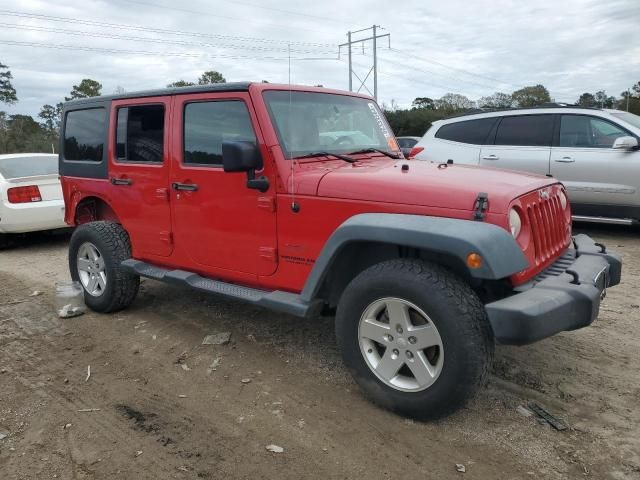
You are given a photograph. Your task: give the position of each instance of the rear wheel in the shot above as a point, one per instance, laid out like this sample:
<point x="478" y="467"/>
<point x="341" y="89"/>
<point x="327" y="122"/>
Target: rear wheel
<point x="96" y="251"/>
<point x="415" y="337"/>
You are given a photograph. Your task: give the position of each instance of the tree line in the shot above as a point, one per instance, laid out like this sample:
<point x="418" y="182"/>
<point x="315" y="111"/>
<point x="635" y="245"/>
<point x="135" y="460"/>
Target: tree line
<point x="23" y="133"/>
<point x="417" y="119"/>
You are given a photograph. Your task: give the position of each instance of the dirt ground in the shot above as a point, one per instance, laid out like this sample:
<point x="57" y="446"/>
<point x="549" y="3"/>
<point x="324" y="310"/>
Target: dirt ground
<point x="170" y="407"/>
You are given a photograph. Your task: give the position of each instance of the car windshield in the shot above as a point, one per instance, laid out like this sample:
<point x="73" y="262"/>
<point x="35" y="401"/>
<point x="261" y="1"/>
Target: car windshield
<point x="308" y="122"/>
<point x="28" y="166"/>
<point x="629" y="118"/>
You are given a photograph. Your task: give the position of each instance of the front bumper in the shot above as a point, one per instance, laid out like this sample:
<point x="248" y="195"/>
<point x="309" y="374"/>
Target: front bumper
<point x="566" y="298"/>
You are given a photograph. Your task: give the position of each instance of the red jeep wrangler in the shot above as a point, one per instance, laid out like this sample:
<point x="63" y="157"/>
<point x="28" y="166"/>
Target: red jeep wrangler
<point x="299" y="200"/>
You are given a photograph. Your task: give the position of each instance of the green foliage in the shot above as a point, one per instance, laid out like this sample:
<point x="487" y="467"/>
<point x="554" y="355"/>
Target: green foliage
<point x="497" y="100"/>
<point x="7" y="92"/>
<point x="454" y="102"/>
<point x="51" y="116"/>
<point x="21" y="133"/>
<point x="210" y="77"/>
<point x="423" y="102"/>
<point x="533" y="96"/>
<point x="86" y="88"/>
<point x="632" y="99"/>
<point x="181" y="83"/>
<point x="414" y="122"/>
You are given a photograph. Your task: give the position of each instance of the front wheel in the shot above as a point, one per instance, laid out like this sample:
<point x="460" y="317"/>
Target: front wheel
<point x="96" y="251"/>
<point x="415" y="337"/>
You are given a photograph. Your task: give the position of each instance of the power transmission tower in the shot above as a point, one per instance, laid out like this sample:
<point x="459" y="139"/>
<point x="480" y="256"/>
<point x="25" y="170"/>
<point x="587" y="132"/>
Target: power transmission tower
<point x="374" y="69"/>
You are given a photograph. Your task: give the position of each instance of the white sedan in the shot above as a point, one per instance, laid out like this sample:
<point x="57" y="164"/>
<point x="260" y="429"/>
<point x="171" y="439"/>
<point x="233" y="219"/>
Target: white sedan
<point x="30" y="194"/>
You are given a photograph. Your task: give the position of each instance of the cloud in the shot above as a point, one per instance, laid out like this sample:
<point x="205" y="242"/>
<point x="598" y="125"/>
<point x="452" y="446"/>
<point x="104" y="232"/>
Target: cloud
<point x="472" y="48"/>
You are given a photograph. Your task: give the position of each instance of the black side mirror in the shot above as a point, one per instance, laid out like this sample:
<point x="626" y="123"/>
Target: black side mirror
<point x="244" y="157"/>
<point x="240" y="157"/>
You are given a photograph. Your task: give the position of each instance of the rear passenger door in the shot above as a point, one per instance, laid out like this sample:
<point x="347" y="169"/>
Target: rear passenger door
<point x="521" y="142"/>
<point x="139" y="173"/>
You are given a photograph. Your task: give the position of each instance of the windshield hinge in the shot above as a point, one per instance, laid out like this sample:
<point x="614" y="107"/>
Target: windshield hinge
<point x="481" y="206"/>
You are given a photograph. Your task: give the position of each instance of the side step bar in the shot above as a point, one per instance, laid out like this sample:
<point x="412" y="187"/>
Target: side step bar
<point x="608" y="220"/>
<point x="274" y="300"/>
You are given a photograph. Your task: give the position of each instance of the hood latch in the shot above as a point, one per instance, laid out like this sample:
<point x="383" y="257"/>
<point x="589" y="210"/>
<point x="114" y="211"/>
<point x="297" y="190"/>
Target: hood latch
<point x="481" y="206"/>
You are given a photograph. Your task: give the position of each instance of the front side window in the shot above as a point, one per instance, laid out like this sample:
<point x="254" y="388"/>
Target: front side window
<point x="474" y="132"/>
<point x="140" y="134"/>
<point x="525" y="130"/>
<point x="582" y="131"/>
<point x="208" y="124"/>
<point x="308" y="122"/>
<point x="84" y="134"/>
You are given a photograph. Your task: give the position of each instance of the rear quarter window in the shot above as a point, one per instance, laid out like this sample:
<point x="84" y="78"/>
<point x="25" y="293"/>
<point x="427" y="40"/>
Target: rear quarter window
<point x="84" y="135"/>
<point x="474" y="132"/>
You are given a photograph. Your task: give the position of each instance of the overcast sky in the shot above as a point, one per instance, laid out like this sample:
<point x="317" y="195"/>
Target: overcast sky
<point x="470" y="47"/>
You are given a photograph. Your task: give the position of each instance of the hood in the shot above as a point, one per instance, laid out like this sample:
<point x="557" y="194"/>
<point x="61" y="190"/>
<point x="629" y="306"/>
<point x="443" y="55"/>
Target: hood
<point x="425" y="184"/>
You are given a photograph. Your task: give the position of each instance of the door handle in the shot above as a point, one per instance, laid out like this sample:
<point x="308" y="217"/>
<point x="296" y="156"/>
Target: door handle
<point x="189" y="187"/>
<point x="121" y="181"/>
<point x="490" y="157"/>
<point x="565" y="160"/>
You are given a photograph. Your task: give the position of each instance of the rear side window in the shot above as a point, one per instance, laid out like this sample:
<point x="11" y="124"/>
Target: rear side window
<point x="84" y="135"/>
<point x="470" y="131"/>
<point x="140" y="134"/>
<point x="525" y="130"/>
<point x="29" y="166"/>
<point x="208" y="124"/>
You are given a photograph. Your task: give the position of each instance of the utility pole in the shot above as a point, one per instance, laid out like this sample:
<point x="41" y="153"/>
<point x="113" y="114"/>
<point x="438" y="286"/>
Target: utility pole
<point x="374" y="68"/>
<point x="628" y="95"/>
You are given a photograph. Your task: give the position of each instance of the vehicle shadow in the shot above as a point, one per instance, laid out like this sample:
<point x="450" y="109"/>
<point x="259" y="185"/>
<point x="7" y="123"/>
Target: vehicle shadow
<point x="36" y="239"/>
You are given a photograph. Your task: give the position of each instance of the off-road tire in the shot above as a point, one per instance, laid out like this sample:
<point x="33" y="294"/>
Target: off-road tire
<point x="112" y="241"/>
<point x="454" y="309"/>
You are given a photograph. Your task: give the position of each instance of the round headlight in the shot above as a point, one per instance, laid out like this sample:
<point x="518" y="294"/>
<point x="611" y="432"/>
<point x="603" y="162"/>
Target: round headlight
<point x="515" y="222"/>
<point x="563" y="201"/>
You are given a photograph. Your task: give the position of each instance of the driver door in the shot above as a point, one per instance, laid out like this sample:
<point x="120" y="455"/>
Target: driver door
<point x="592" y="171"/>
<point x="221" y="226"/>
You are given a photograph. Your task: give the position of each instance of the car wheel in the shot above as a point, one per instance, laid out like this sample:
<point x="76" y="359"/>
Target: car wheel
<point x="415" y="337"/>
<point x="4" y="240"/>
<point x="96" y="251"/>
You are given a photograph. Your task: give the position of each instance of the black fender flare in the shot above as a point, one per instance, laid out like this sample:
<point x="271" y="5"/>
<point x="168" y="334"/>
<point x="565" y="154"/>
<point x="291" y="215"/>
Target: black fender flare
<point x="501" y="254"/>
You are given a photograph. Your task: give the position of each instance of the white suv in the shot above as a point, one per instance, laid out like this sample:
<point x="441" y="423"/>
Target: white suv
<point x="594" y="152"/>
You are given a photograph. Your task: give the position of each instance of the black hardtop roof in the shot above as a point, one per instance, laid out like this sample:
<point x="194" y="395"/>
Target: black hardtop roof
<point x="214" y="87"/>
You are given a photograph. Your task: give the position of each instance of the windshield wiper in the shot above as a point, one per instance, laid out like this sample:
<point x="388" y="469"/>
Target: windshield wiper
<point x="327" y="154"/>
<point x="371" y="150"/>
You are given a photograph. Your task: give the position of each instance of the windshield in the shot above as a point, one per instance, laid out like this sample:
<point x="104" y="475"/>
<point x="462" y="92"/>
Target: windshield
<point x="629" y="118"/>
<point x="28" y="166"/>
<point x="309" y="122"/>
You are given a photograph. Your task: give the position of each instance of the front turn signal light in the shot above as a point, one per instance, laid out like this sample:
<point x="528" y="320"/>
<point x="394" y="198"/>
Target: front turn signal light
<point x="474" y="261"/>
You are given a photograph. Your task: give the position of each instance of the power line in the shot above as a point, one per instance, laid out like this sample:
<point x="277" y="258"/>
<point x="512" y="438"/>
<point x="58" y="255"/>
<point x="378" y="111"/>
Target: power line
<point x="462" y="70"/>
<point x="154" y="40"/>
<point x="146" y="52"/>
<point x="273" y="9"/>
<point x="413" y="67"/>
<point x="121" y="26"/>
<point x="207" y="13"/>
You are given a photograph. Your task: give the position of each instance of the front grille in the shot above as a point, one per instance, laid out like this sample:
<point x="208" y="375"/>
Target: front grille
<point x="548" y="227"/>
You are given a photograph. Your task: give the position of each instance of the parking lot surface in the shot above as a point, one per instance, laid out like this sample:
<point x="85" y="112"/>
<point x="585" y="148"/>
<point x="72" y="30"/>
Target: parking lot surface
<point x="159" y="404"/>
